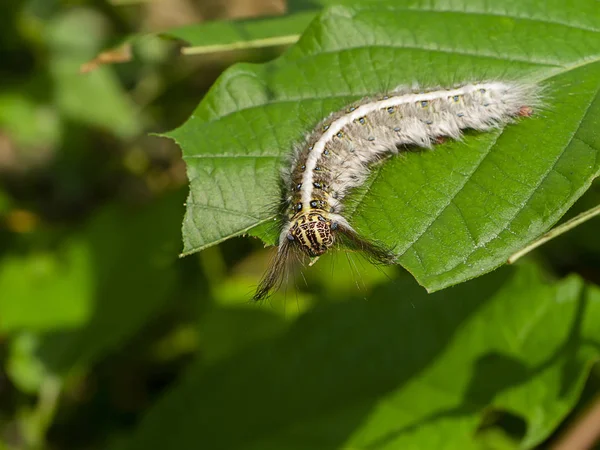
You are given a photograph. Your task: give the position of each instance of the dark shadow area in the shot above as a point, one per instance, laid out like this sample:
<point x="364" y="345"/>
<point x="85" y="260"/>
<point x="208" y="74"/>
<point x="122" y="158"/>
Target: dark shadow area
<point x="295" y="6"/>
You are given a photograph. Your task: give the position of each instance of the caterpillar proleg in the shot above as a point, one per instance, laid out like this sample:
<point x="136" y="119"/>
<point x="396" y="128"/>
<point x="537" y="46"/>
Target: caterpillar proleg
<point x="336" y="157"/>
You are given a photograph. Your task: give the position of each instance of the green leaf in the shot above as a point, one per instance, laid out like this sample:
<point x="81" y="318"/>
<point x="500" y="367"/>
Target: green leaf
<point x="404" y="370"/>
<point x="452" y="213"/>
<point x="47" y="290"/>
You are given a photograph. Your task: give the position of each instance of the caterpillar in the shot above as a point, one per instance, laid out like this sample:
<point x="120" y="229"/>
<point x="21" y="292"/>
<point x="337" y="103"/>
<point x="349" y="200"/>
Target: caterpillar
<point x="336" y="157"/>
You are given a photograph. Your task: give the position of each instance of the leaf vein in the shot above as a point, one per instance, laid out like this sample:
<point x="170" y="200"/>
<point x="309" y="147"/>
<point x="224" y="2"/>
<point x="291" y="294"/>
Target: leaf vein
<point x="551" y="169"/>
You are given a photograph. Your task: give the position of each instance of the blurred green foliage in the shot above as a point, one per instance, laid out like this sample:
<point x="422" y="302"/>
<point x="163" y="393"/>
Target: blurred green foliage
<point x="109" y="340"/>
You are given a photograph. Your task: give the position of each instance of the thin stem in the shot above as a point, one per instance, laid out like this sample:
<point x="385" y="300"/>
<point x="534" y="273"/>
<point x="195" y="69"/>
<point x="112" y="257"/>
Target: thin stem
<point x="257" y="43"/>
<point x="575" y="221"/>
<point x="35" y="425"/>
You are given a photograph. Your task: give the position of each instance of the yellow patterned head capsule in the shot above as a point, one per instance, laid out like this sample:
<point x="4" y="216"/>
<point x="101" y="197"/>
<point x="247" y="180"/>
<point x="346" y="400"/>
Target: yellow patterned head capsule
<point x="312" y="231"/>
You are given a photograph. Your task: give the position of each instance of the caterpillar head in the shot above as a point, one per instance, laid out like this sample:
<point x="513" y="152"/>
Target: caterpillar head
<point x="313" y="232"/>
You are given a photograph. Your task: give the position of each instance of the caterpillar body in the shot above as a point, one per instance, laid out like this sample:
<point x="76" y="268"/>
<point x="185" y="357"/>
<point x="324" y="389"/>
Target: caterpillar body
<point x="337" y="154"/>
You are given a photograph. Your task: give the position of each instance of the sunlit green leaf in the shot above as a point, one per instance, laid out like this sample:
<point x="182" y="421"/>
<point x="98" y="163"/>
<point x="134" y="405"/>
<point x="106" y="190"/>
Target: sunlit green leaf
<point x="453" y="213"/>
<point x="47" y="290"/>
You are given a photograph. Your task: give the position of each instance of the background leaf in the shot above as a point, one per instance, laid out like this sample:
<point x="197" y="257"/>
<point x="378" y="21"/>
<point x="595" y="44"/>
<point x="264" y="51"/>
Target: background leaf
<point x="133" y="281"/>
<point x="53" y="288"/>
<point x="464" y="207"/>
<point x="404" y="370"/>
<point x="95" y="98"/>
<point x="96" y="290"/>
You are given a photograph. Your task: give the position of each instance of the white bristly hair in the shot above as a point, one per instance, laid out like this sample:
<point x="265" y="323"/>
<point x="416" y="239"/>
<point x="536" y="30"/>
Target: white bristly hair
<point x="336" y="156"/>
<point x="498" y="104"/>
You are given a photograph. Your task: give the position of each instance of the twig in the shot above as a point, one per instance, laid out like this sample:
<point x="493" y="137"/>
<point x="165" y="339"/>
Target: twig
<point x="575" y="221"/>
<point x="584" y="432"/>
<point x="257" y="43"/>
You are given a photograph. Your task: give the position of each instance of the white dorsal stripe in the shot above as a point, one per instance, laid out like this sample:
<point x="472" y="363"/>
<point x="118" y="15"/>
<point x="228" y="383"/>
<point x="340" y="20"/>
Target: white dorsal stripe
<point x="366" y="109"/>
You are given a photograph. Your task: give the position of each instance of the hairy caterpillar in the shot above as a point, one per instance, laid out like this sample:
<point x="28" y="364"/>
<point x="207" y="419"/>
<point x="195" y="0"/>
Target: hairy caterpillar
<point x="336" y="156"/>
